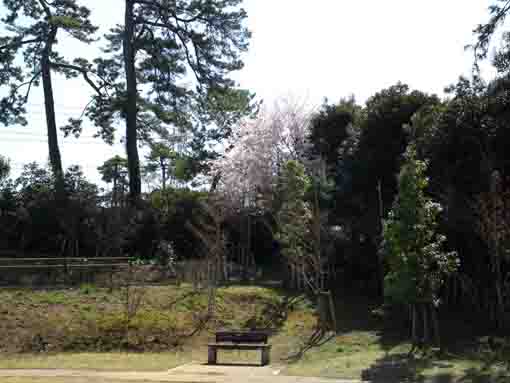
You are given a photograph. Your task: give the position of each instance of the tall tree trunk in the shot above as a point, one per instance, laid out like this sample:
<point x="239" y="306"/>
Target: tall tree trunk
<point x="317" y="245"/>
<point x="414" y="324"/>
<point x="500" y="304"/>
<point x="380" y="264"/>
<point x="426" y="336"/>
<point x="324" y="318"/>
<point x="435" y="323"/>
<point x="114" y="191"/>
<point x="51" y="125"/>
<point x="135" y="184"/>
<point x="496" y="250"/>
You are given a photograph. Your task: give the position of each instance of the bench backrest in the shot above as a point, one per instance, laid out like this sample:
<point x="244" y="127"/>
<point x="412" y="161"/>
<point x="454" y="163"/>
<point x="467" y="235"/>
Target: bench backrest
<point x="241" y="336"/>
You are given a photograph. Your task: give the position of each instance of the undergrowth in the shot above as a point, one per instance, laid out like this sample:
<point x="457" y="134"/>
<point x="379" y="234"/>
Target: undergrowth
<point x="89" y="318"/>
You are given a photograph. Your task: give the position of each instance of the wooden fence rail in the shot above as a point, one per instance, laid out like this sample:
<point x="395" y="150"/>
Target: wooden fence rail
<point x="12" y="270"/>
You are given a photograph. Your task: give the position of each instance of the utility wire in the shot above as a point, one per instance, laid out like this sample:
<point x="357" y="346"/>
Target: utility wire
<point x="37" y="141"/>
<point x="57" y="106"/>
<point x="43" y="136"/>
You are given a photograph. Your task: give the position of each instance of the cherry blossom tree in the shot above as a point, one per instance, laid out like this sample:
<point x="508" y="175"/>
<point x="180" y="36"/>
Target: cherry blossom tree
<point x="254" y="155"/>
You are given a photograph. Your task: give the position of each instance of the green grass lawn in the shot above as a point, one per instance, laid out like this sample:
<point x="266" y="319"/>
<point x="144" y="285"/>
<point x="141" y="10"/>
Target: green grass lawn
<point x="361" y="355"/>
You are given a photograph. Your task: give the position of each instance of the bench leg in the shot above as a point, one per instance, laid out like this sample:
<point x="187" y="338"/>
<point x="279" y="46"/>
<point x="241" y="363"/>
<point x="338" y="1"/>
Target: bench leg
<point x="211" y="355"/>
<point x="266" y="358"/>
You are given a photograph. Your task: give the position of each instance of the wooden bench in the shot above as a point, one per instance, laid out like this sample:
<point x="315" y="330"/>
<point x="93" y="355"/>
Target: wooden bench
<point x="240" y="340"/>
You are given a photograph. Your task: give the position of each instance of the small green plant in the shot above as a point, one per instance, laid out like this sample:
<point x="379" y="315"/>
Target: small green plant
<point x="50" y="298"/>
<point x="88" y="288"/>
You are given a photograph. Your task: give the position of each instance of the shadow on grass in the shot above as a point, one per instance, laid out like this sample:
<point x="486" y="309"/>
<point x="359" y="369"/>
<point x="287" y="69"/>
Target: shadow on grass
<point x="404" y="368"/>
<point x="360" y="314"/>
<point x="462" y="340"/>
<point x="398" y="367"/>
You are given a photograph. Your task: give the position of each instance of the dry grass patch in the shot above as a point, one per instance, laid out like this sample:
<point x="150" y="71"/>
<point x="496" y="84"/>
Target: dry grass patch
<point x="90" y="319"/>
<point x="63" y="380"/>
<point x="98" y="361"/>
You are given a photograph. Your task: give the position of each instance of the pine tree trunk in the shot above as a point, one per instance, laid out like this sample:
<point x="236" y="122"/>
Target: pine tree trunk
<point x="51" y="125"/>
<point x="135" y="184"/>
<point x="114" y="191"/>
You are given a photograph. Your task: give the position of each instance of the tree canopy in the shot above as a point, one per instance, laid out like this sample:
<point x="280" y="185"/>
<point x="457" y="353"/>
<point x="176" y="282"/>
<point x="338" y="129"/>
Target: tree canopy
<point x="150" y="62"/>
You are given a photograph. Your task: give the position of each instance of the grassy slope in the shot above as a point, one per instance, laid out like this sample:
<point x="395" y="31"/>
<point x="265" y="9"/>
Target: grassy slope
<point x="64" y="314"/>
<point x="364" y="348"/>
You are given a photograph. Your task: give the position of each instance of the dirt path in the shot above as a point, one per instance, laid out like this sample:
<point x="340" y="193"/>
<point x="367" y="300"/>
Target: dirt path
<point x="189" y="373"/>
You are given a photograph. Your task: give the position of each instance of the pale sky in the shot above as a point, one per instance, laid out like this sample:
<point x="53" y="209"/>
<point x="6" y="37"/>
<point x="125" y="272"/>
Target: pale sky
<point x="304" y="48"/>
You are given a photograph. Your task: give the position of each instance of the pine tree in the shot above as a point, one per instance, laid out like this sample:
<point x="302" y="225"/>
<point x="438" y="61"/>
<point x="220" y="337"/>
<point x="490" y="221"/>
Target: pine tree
<point x="151" y="60"/>
<point x="28" y="57"/>
<point x="115" y="171"/>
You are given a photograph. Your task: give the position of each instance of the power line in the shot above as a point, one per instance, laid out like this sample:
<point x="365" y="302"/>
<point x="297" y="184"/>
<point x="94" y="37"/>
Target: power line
<point x="35" y="141"/>
<point x="43" y="135"/>
<point x="64" y="140"/>
<point x="42" y="131"/>
<point x="58" y="113"/>
<point x="61" y="106"/>
<point x="41" y="138"/>
<point x="85" y="167"/>
<point x="80" y="137"/>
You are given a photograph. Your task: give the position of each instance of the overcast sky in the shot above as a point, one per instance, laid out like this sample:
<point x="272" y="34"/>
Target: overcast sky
<point x="304" y="48"/>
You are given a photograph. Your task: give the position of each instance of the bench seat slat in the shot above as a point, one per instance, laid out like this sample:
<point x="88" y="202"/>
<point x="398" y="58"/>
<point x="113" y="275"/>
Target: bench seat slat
<point x="241" y="337"/>
<point x="239" y="345"/>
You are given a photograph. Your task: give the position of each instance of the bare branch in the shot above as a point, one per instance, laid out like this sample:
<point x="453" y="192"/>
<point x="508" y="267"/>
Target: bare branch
<point x="46" y="7"/>
<point x="193" y="65"/>
<point x="160" y="8"/>
<point x="485" y="31"/>
<point x="85" y="109"/>
<point x="85" y="72"/>
<point x="30" y="85"/>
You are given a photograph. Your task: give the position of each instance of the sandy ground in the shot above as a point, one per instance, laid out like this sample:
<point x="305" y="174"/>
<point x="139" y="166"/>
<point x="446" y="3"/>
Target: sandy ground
<point x="189" y="373"/>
